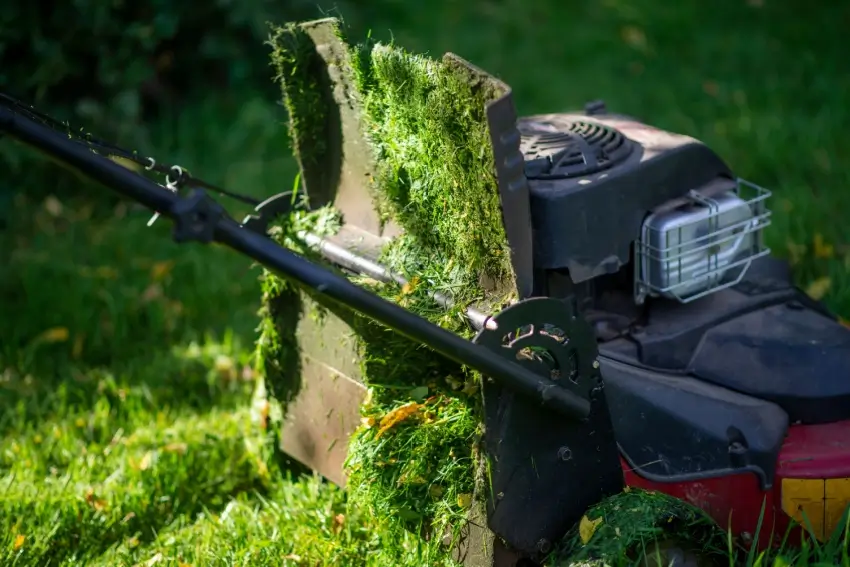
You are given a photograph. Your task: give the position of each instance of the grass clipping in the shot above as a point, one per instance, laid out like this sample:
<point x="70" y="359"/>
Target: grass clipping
<point x="412" y="462"/>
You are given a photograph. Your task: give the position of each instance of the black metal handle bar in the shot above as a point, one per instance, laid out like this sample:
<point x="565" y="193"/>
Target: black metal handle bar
<point x="200" y="218"/>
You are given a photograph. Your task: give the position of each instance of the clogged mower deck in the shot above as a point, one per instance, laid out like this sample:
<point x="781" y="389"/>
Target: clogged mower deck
<point x="724" y="384"/>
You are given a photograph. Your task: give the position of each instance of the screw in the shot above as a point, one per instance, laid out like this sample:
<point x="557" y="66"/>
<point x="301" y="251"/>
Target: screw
<point x="595" y="364"/>
<point x="544" y="546"/>
<point x="565" y="454"/>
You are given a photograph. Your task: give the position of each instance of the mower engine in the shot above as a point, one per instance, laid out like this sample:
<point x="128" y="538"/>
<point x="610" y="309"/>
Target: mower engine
<point x="708" y="350"/>
<point x="695" y="228"/>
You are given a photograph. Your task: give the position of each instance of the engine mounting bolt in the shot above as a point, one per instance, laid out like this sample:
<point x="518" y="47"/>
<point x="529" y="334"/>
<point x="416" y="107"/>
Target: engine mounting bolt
<point x="595" y="364"/>
<point x="565" y="453"/>
<point x="544" y="546"/>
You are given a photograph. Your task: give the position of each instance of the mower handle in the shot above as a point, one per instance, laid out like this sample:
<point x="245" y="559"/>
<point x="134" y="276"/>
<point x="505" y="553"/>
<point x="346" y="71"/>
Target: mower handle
<point x="200" y="218"/>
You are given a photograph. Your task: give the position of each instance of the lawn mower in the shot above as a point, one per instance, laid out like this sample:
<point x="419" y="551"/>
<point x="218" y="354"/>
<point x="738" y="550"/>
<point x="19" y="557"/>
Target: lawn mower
<point x="682" y="357"/>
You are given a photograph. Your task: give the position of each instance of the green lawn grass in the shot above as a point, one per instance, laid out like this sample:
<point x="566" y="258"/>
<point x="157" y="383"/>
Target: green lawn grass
<point x="131" y="432"/>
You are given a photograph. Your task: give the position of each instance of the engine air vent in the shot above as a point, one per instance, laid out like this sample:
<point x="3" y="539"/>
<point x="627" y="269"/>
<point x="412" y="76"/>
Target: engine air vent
<point x="570" y="149"/>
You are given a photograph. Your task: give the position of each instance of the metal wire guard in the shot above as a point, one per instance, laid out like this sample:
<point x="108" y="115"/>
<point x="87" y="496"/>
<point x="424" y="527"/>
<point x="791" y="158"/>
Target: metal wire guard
<point x="670" y="264"/>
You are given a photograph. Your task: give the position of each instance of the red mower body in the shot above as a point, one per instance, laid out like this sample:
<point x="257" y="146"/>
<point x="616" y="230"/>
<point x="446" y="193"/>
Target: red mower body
<point x="812" y="481"/>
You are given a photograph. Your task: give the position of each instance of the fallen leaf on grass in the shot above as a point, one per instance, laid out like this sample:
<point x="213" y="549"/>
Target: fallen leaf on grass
<point x="822" y="249"/>
<point x="634" y="37"/>
<point x="77" y="349"/>
<point x="147" y="461"/>
<point x="796" y="252"/>
<point x="464" y="500"/>
<point x="179" y="448"/>
<point x="161" y="269"/>
<point x="818" y="288"/>
<point x="53" y="206"/>
<point x="152" y="292"/>
<point x="19" y="541"/>
<point x="711" y="88"/>
<point x="54" y="335"/>
<point x="398" y="415"/>
<point x="339" y="522"/>
<point x="92" y="499"/>
<point x="587" y="527"/>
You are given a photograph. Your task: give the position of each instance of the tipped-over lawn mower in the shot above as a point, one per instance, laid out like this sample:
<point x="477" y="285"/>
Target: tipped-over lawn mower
<point x="679" y="357"/>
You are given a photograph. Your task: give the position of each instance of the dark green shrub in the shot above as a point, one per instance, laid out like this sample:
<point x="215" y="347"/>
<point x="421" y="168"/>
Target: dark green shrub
<point x="112" y="65"/>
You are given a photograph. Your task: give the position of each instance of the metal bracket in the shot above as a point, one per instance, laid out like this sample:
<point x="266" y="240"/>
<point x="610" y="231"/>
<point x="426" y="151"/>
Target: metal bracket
<point x="544" y="471"/>
<point x="196" y="217"/>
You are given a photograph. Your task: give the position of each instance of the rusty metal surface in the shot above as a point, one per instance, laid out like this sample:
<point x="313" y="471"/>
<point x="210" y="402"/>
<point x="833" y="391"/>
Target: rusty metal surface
<point x="349" y="154"/>
<point x="326" y="409"/>
<point x="319" y="420"/>
<point x="321" y="417"/>
<point x="514" y="194"/>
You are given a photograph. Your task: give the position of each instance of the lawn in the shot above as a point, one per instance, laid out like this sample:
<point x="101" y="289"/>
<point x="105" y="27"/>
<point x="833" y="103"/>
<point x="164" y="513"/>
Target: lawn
<point x="132" y="431"/>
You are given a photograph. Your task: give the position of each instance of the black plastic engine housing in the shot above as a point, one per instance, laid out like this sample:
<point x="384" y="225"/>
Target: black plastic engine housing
<point x="594" y="178"/>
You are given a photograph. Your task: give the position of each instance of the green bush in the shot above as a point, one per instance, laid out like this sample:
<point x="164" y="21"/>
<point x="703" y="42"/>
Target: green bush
<point x="111" y="65"/>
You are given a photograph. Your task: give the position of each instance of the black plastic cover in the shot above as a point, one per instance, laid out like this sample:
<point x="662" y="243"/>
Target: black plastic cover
<point x="788" y="354"/>
<point x="676" y="428"/>
<point x="587" y="223"/>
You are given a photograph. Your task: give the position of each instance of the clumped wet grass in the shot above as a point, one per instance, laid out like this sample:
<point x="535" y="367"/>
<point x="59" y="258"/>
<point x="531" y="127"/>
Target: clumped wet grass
<point x="435" y="177"/>
<point x="425" y="120"/>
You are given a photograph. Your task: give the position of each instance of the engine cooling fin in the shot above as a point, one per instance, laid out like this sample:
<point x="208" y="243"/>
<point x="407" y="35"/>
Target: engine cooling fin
<point x="572" y="148"/>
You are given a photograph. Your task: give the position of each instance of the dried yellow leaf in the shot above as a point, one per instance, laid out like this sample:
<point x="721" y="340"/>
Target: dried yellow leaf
<point x="410" y="286"/>
<point x="146" y="461"/>
<point x="77" y="349"/>
<point x="54" y="335"/>
<point x="19" y="541"/>
<point x="818" y="288"/>
<point x="587" y="527"/>
<point x="161" y="269"/>
<point x="398" y="415"/>
<point x="796" y="252"/>
<point x="179" y="448"/>
<point x="53" y="206"/>
<point x="822" y="249"/>
<point x="464" y="500"/>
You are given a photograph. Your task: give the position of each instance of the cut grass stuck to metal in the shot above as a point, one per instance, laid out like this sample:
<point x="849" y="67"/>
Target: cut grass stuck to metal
<point x="425" y="120"/>
<point x="412" y="462"/>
